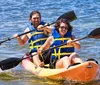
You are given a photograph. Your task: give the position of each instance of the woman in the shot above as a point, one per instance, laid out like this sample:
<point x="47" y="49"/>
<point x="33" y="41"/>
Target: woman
<point x="64" y="55"/>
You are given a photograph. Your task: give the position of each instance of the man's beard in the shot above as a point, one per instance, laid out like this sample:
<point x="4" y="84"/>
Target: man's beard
<point x="36" y="24"/>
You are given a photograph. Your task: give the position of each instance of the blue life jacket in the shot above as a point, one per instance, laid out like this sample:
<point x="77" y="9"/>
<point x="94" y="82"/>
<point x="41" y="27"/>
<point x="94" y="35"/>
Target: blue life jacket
<point x="38" y="38"/>
<point x="62" y="50"/>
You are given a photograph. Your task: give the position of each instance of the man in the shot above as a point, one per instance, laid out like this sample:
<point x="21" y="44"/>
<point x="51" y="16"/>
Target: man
<point x="37" y="38"/>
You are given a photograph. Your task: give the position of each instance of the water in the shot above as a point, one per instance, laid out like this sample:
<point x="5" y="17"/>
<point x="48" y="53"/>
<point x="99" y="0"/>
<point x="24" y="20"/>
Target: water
<point x="14" y="16"/>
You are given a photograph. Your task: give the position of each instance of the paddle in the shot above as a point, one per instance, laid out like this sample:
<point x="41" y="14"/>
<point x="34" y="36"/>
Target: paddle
<point x="13" y="62"/>
<point x="68" y="15"/>
<point x="93" y="34"/>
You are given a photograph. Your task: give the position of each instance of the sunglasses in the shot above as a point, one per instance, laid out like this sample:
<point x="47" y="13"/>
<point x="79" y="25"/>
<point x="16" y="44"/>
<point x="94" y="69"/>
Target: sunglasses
<point x="62" y="27"/>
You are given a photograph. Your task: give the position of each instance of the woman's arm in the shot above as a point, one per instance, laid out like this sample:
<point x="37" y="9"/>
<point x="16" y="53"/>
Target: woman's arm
<point x="76" y="44"/>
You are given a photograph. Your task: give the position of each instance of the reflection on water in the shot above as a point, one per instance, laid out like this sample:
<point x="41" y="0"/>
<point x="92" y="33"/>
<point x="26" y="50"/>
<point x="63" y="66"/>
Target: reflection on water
<point x="22" y="77"/>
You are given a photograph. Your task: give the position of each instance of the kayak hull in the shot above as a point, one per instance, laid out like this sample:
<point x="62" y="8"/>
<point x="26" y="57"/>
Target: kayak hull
<point x="84" y="72"/>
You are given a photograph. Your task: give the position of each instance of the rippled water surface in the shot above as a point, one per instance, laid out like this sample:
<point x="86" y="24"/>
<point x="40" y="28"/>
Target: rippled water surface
<point x="14" y="17"/>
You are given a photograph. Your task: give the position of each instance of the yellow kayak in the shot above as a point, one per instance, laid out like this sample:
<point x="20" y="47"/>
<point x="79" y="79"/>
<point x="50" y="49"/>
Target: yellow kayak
<point x="84" y="72"/>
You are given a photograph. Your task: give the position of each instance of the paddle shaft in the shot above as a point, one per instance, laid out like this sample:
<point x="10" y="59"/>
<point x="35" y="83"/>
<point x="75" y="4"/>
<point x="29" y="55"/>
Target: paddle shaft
<point x="65" y="43"/>
<point x="70" y="16"/>
<point x="8" y="39"/>
<point x="55" y="47"/>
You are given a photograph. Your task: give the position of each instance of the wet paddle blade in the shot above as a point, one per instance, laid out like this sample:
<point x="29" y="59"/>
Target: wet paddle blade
<point x="13" y="62"/>
<point x="70" y="16"/>
<point x="9" y="63"/>
<point x="95" y="33"/>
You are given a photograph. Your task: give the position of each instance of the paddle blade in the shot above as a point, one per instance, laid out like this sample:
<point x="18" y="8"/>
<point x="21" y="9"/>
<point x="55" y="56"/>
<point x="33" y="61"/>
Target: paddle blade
<point x="70" y="16"/>
<point x="95" y="33"/>
<point x="9" y="63"/>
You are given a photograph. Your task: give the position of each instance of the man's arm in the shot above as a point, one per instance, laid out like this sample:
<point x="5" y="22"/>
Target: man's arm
<point x="47" y="30"/>
<point x="24" y="38"/>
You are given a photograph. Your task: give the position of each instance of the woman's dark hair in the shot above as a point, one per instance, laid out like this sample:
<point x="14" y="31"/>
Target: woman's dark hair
<point x="57" y="25"/>
<point x="35" y="12"/>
